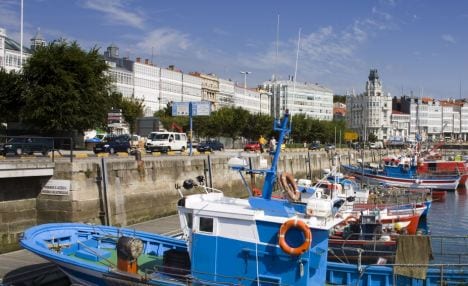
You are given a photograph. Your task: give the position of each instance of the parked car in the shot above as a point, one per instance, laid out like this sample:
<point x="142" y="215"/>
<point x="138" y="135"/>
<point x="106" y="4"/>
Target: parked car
<point x="314" y="146"/>
<point x="329" y="147"/>
<point x="210" y="145"/>
<point x="114" y="144"/>
<point x="376" y="145"/>
<point x="164" y="141"/>
<point x="356" y="145"/>
<point x="27" y="145"/>
<point x="252" y="146"/>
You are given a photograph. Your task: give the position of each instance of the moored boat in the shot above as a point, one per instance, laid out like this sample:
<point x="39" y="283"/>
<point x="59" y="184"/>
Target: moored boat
<point x="254" y="241"/>
<point x="403" y="174"/>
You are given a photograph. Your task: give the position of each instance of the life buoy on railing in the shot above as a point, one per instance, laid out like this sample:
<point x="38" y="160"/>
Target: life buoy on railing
<point x="289" y="185"/>
<point x="302" y="226"/>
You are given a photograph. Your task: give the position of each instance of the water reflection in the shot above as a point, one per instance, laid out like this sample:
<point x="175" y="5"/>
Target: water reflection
<point x="450" y="216"/>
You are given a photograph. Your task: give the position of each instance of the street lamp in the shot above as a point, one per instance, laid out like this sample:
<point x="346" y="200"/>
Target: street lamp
<point x="245" y="73"/>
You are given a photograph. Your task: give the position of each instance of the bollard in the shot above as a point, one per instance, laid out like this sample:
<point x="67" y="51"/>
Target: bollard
<point x="137" y="155"/>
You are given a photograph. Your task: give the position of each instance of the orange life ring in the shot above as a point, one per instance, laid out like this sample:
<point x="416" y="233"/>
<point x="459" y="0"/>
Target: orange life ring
<point x="289" y="185"/>
<point x="285" y="227"/>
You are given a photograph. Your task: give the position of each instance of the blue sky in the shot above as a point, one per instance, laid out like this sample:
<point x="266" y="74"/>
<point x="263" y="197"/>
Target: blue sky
<point x="416" y="45"/>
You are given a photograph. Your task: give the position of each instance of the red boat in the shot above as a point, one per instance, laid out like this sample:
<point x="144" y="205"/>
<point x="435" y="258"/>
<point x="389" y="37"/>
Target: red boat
<point x="436" y="167"/>
<point x="444" y="167"/>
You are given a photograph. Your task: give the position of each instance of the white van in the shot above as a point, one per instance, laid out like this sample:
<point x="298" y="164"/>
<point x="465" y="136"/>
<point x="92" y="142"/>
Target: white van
<point x="166" y="141"/>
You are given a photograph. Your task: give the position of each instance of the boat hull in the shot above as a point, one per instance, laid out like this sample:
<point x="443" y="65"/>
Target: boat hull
<point x="413" y="183"/>
<point x="377" y="275"/>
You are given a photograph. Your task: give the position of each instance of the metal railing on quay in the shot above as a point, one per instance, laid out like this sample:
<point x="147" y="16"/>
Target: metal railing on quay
<point x="26" y="146"/>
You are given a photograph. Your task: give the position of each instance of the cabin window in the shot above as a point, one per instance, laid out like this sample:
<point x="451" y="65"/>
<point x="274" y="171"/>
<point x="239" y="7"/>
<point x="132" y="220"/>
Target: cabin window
<point x="189" y="218"/>
<point x="206" y="224"/>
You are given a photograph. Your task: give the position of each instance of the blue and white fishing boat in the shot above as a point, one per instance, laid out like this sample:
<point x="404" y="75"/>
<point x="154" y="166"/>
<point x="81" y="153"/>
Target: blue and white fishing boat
<point x="254" y="241"/>
<point x="403" y="174"/>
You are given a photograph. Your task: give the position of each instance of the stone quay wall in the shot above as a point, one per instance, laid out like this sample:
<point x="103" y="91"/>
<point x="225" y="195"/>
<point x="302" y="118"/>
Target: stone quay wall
<point x="135" y="191"/>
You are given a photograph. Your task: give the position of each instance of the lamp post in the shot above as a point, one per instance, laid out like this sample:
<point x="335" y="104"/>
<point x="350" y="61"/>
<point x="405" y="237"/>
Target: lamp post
<point x="245" y="73"/>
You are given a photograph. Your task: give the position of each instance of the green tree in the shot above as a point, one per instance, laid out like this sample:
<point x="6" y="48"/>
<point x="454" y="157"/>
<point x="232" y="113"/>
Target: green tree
<point x="256" y="125"/>
<point x="11" y="89"/>
<point x="67" y="88"/>
<point x="372" y="137"/>
<point x="132" y="108"/>
<point x="301" y="128"/>
<point x="232" y="121"/>
<point x="339" y="98"/>
<point x="169" y="121"/>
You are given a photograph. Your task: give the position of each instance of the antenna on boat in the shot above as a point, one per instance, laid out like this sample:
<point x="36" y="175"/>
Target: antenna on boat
<point x="295" y="72"/>
<point x="277" y="49"/>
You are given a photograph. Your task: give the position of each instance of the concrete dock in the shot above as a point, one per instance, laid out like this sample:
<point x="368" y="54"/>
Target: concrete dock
<point x="24" y="268"/>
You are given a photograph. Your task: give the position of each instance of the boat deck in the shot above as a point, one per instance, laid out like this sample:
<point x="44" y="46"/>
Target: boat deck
<point x="146" y="263"/>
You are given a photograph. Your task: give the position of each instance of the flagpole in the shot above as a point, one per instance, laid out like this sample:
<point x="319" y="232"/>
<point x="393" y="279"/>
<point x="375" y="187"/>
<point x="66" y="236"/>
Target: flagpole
<point x="21" y="40"/>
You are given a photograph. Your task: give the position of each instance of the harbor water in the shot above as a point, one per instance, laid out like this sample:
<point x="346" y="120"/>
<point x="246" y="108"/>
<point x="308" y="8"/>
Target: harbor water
<point x="450" y="216"/>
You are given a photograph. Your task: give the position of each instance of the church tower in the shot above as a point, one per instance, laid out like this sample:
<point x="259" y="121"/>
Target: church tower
<point x="374" y="86"/>
<point x="37" y="40"/>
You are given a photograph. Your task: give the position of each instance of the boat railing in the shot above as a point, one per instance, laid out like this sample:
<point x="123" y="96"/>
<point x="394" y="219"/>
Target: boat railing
<point x="446" y="250"/>
<point x="391" y="207"/>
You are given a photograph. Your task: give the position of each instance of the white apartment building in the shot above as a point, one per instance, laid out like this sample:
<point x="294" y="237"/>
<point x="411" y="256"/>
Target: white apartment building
<point x="252" y="100"/>
<point x="400" y="123"/>
<point x="147" y="80"/>
<point x="171" y="86"/>
<point x="10" y="51"/>
<point x="158" y="86"/>
<point x="370" y="112"/>
<point x="313" y="100"/>
<point x="464" y="121"/>
<point x="435" y="119"/>
<point x="191" y="87"/>
<point x="226" y="93"/>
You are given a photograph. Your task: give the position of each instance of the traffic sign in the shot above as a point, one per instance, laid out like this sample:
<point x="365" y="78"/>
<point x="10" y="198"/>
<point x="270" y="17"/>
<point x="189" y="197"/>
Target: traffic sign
<point x="199" y="108"/>
<point x="180" y="108"/>
<point x="202" y="108"/>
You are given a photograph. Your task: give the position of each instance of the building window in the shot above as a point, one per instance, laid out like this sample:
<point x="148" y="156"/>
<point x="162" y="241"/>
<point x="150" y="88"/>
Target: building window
<point x="206" y="224"/>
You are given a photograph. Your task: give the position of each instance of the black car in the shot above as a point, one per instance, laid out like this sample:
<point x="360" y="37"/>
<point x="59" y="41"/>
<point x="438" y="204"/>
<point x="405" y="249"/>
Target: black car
<point x="329" y="147"/>
<point x="27" y="145"/>
<point x="314" y="146"/>
<point x="210" y="145"/>
<point x="113" y="144"/>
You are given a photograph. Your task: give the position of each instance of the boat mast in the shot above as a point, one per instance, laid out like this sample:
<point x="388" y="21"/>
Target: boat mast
<point x="270" y="177"/>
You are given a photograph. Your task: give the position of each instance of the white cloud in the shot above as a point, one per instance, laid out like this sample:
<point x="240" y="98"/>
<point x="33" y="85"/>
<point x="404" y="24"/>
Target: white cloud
<point x="220" y="32"/>
<point x="10" y="14"/>
<point x="117" y="12"/>
<point x="449" y="39"/>
<point x="165" y="41"/>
